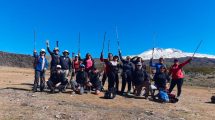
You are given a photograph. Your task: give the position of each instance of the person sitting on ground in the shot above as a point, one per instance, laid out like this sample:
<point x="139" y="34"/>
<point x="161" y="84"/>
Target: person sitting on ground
<point x="57" y="78"/>
<point x="140" y="80"/>
<point x="40" y="66"/>
<point x="94" y="79"/>
<point x="161" y="78"/>
<point x="81" y="81"/>
<point x="177" y="75"/>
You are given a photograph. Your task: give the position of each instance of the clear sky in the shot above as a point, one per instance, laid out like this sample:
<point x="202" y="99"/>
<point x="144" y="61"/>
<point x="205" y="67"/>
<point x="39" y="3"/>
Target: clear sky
<point x="179" y="24"/>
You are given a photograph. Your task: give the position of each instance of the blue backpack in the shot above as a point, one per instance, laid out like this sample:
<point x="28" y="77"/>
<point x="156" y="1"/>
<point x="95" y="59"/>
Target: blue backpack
<point x="163" y="96"/>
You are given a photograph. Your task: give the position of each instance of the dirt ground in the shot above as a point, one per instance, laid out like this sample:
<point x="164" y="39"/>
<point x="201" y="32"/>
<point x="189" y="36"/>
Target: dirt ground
<point x="18" y="102"/>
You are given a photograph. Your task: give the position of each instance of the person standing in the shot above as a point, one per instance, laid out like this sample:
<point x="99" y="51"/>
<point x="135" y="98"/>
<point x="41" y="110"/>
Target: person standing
<point x="66" y="63"/>
<point x="40" y="66"/>
<point x="55" y="57"/>
<point x="177" y="75"/>
<point x="128" y="68"/>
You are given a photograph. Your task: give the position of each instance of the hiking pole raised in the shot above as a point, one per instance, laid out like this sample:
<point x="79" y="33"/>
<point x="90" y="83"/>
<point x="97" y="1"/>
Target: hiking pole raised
<point x="109" y="46"/>
<point x="117" y="37"/>
<point x="197" y="48"/>
<point x="79" y="43"/>
<point x="103" y="43"/>
<point x="57" y="43"/>
<point x="34" y="40"/>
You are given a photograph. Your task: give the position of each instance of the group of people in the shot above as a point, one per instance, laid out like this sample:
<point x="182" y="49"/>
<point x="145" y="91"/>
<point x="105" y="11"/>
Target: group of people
<point x="82" y="75"/>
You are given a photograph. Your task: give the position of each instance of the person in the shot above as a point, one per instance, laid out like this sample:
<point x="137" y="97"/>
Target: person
<point x="81" y="81"/>
<point x="106" y="68"/>
<point x="40" y="66"/>
<point x="112" y="72"/>
<point x="161" y="78"/>
<point x="177" y="75"/>
<point x="157" y="65"/>
<point x="88" y="62"/>
<point x="128" y="68"/>
<point x="140" y="80"/>
<point x="57" y="77"/>
<point x="95" y="81"/>
<point x="136" y="60"/>
<point x="55" y="57"/>
<point x="66" y="63"/>
<point x="76" y="63"/>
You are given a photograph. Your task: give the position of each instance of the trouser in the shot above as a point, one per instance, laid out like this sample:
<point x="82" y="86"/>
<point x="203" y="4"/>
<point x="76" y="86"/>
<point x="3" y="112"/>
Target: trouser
<point x="179" y="83"/>
<point x="97" y="85"/>
<point x="126" y="78"/>
<point x="66" y="72"/>
<point x="52" y="69"/>
<point x="52" y="85"/>
<point x="39" y="75"/>
<point x="113" y="80"/>
<point x="139" y="88"/>
<point x="104" y="77"/>
<point x="77" y="87"/>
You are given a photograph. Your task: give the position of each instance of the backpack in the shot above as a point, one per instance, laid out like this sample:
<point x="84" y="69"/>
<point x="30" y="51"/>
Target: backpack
<point x="213" y="99"/>
<point x="163" y="96"/>
<point x="110" y="94"/>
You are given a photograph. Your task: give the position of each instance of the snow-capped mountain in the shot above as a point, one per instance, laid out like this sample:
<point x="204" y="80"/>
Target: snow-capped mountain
<point x="171" y="53"/>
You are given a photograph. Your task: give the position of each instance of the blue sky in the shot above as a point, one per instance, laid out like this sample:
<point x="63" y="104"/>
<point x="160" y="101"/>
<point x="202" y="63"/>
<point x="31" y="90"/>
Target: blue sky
<point x="179" y="24"/>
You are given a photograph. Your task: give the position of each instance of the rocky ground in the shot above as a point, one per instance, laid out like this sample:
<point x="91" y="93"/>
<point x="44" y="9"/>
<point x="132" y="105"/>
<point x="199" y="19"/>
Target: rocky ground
<point x="18" y="102"/>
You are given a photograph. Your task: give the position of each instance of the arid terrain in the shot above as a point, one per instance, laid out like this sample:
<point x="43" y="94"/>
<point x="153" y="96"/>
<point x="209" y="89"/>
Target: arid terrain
<point x="17" y="102"/>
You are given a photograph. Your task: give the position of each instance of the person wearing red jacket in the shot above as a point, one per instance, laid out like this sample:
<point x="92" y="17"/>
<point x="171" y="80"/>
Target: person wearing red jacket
<point x="177" y="75"/>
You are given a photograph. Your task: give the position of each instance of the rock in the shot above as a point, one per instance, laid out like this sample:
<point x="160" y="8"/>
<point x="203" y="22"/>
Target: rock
<point x="149" y="113"/>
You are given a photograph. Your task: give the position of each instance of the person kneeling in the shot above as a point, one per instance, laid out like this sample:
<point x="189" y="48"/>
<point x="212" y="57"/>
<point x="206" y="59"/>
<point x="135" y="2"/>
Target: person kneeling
<point x="81" y="81"/>
<point x="58" y="80"/>
<point x="140" y="80"/>
<point x="94" y="79"/>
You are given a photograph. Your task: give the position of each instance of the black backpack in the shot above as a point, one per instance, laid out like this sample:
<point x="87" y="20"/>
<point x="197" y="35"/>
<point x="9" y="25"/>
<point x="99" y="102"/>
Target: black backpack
<point x="110" y="94"/>
<point x="213" y="99"/>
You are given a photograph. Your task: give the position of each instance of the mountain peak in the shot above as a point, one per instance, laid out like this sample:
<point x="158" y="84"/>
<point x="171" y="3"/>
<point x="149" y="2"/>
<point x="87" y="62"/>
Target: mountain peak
<point x="170" y="53"/>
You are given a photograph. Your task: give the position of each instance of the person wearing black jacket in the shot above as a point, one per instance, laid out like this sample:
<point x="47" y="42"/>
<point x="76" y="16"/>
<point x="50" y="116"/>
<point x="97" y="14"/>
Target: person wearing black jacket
<point x="128" y="68"/>
<point x="81" y="81"/>
<point x="95" y="81"/>
<point x="55" y="57"/>
<point x="57" y="77"/>
<point x="140" y="80"/>
<point x="66" y="63"/>
<point x="136" y="60"/>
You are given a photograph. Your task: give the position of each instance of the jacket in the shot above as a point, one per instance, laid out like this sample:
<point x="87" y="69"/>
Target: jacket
<point x="65" y="63"/>
<point x="140" y="76"/>
<point x="55" y="58"/>
<point x="38" y="63"/>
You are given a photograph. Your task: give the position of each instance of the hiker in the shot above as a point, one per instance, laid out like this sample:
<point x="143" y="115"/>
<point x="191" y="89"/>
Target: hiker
<point x="66" y="63"/>
<point x="40" y="66"/>
<point x="140" y="80"/>
<point x="161" y="78"/>
<point x="81" y="81"/>
<point x="94" y="79"/>
<point x="76" y="64"/>
<point x="157" y="65"/>
<point x="88" y="62"/>
<point x="126" y="73"/>
<point x="112" y="72"/>
<point x="57" y="77"/>
<point x="177" y="75"/>
<point x="136" y="60"/>
<point x="106" y="68"/>
<point x="55" y="57"/>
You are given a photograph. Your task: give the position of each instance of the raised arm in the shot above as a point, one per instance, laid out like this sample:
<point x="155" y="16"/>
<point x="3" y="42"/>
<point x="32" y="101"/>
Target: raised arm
<point x="48" y="48"/>
<point x="120" y="56"/>
<point x="185" y="63"/>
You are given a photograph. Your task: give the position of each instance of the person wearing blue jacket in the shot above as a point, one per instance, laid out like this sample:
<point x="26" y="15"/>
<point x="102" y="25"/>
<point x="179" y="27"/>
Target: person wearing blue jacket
<point x="157" y="65"/>
<point x="40" y="66"/>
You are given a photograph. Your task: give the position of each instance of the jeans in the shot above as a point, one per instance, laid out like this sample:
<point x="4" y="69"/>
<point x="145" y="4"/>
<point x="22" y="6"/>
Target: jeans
<point x="39" y="75"/>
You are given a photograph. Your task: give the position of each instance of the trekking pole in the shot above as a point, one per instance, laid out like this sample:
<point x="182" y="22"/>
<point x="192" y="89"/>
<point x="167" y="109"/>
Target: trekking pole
<point x="79" y="42"/>
<point x="117" y="37"/>
<point x="57" y="43"/>
<point x="197" y="48"/>
<point x="103" y="43"/>
<point x="34" y="40"/>
<point x="109" y="46"/>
